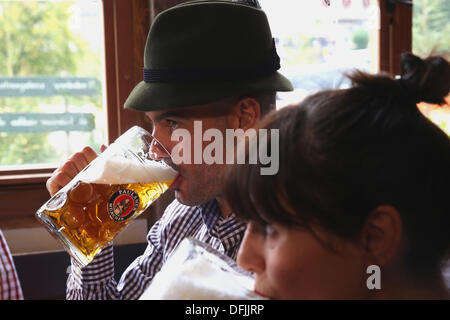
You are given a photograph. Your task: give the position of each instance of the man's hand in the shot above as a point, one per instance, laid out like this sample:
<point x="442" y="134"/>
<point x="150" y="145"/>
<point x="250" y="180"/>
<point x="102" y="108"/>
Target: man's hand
<point x="69" y="169"/>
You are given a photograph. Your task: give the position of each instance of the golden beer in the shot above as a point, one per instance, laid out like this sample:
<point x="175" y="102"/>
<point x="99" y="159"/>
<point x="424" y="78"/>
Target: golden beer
<point x="102" y="199"/>
<point x="93" y="213"/>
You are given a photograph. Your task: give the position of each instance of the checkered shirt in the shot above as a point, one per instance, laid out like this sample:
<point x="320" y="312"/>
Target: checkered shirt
<point x="10" y="288"/>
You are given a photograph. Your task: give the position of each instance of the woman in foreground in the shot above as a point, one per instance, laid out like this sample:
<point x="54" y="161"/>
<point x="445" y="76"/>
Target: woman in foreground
<point x="359" y="208"/>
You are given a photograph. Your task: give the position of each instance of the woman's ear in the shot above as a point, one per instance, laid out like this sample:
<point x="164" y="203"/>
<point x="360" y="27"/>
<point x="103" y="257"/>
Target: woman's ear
<point x="248" y="111"/>
<point x="381" y="235"/>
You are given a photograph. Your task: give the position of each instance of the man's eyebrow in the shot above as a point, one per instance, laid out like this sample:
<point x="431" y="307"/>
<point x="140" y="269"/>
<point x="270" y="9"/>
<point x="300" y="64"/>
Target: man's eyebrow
<point x="170" y="114"/>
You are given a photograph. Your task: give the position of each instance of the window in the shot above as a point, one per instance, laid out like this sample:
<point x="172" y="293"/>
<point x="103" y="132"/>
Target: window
<point x="51" y="81"/>
<point x="318" y="41"/>
<point x="431" y="34"/>
<point x="122" y="27"/>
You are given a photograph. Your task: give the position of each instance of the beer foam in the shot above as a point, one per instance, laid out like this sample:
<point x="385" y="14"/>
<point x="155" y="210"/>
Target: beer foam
<point x="203" y="277"/>
<point x="197" y="280"/>
<point x="117" y="170"/>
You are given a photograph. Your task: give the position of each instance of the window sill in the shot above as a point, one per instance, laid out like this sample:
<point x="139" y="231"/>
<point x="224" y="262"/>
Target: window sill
<point x="21" y="195"/>
<point x="19" y="223"/>
<point x="23" y="179"/>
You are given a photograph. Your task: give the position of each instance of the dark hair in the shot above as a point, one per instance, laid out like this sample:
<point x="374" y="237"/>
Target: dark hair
<point x="343" y="153"/>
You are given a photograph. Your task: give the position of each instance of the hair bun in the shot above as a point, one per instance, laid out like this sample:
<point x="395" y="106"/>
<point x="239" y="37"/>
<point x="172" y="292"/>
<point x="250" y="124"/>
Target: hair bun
<point x="425" y="80"/>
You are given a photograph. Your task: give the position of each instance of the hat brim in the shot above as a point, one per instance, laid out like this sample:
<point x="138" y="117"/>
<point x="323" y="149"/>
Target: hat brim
<point x="162" y="96"/>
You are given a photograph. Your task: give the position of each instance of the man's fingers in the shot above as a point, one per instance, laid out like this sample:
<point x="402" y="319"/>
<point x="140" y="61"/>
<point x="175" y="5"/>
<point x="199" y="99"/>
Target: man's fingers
<point x="89" y="154"/>
<point x="78" y="160"/>
<point x="69" y="169"/>
<point x="83" y="158"/>
<point x="57" y="181"/>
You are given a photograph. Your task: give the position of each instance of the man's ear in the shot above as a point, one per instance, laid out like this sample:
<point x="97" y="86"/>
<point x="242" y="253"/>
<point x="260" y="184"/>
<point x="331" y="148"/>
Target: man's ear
<point x="248" y="111"/>
<point x="381" y="235"/>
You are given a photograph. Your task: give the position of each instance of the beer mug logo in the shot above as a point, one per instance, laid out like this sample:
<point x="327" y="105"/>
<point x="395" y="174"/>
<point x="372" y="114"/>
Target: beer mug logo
<point x="123" y="204"/>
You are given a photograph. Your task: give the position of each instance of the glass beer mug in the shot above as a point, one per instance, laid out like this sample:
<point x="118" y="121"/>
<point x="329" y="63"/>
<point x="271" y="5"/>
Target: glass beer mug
<point x="109" y="193"/>
<point x="196" y="271"/>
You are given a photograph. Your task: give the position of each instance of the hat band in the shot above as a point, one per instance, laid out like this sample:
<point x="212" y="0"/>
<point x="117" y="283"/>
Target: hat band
<point x="177" y="75"/>
<point x="213" y="74"/>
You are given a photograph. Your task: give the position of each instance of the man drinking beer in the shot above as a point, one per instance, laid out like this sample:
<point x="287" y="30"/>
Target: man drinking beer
<point x="213" y="62"/>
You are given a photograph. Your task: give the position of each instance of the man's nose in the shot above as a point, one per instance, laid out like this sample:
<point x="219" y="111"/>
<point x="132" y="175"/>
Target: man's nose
<point x="251" y="253"/>
<point x="158" y="151"/>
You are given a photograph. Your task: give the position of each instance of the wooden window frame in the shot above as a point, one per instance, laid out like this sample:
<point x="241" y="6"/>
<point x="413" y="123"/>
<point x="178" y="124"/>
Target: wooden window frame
<point x="126" y="24"/>
<point x="395" y="33"/>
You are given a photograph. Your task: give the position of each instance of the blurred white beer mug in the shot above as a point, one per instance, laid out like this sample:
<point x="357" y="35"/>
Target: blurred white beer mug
<point x="195" y="271"/>
<point x="109" y="193"/>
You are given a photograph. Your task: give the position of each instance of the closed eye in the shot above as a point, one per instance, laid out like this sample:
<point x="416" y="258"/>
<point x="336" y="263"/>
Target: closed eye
<point x="264" y="230"/>
<point x="172" y="123"/>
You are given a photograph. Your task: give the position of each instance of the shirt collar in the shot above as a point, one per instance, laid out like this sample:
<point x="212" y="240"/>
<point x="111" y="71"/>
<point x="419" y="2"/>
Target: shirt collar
<point x="216" y="224"/>
<point x="210" y="212"/>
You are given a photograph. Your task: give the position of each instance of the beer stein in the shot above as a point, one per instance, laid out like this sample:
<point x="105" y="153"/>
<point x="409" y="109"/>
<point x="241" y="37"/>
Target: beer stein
<point x="110" y="192"/>
<point x="196" y="271"/>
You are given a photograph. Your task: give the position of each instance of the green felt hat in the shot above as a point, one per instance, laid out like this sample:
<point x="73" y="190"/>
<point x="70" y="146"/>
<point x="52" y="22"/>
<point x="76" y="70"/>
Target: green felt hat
<point x="203" y="51"/>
